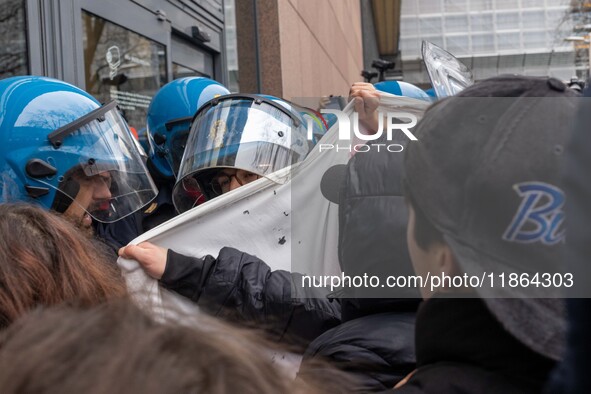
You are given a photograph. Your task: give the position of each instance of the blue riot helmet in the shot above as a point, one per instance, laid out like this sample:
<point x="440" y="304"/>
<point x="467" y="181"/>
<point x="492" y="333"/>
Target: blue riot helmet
<point x="169" y="120"/>
<point x="400" y="88"/>
<point x="255" y="133"/>
<point x="59" y="147"/>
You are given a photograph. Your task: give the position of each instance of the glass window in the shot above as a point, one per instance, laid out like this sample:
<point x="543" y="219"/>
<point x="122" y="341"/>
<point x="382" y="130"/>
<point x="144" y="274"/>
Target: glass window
<point x="483" y="43"/>
<point x="231" y="45"/>
<point x="13" y="45"/>
<point x="506" y="4"/>
<point x="458" y="45"/>
<point x="508" y="41"/>
<point x="410" y="47"/>
<point x="409" y="7"/>
<point x="533" y="19"/>
<point x="429" y="6"/>
<point x="456" y="23"/>
<point x="409" y="26"/>
<point x="507" y="20"/>
<point x="430" y="26"/>
<point x="481" y="22"/>
<point x="481" y="5"/>
<point x="179" y="71"/>
<point x="122" y="65"/>
<point x="535" y="40"/>
<point x="532" y="3"/>
<point x="555" y="17"/>
<point x="188" y="60"/>
<point x="437" y="40"/>
<point x="485" y="67"/>
<point x="455" y="5"/>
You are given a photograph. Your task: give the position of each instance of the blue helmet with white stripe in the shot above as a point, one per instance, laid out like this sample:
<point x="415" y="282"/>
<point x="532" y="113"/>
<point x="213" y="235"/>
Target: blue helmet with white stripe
<point x="169" y="120"/>
<point x="57" y="143"/>
<point x="254" y="133"/>
<point x="400" y="88"/>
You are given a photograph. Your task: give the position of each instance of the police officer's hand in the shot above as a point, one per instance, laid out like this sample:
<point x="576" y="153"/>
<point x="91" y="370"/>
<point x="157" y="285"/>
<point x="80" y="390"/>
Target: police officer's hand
<point x="367" y="100"/>
<point x="152" y="258"/>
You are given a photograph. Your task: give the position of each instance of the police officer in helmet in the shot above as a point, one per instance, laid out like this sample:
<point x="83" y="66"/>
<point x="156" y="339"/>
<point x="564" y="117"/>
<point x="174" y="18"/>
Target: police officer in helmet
<point x="61" y="149"/>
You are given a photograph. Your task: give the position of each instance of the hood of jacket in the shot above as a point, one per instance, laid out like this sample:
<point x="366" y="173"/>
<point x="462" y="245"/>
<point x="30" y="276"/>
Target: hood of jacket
<point x="372" y="231"/>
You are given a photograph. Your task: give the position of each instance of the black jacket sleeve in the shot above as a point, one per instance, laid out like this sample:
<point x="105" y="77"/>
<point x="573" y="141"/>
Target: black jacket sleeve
<point x="377" y="351"/>
<point x="242" y="287"/>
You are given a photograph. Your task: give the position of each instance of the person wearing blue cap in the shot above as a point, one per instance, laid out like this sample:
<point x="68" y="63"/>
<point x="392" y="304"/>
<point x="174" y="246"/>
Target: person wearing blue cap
<point x="485" y="197"/>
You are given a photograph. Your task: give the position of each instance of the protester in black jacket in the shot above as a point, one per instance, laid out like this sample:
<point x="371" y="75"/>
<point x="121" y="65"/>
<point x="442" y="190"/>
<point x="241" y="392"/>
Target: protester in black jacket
<point x="375" y="341"/>
<point x="242" y="288"/>
<point x="374" y="334"/>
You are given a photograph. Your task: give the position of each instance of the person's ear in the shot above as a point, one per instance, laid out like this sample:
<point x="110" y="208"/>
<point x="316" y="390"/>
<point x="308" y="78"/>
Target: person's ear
<point x="445" y="260"/>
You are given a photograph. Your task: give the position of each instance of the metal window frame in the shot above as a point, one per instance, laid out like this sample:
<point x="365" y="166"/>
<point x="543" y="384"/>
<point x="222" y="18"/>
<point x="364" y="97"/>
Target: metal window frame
<point x="144" y="23"/>
<point x="55" y="40"/>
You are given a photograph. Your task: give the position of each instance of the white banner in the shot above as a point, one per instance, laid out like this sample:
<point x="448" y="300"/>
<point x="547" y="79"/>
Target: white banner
<point x="257" y="218"/>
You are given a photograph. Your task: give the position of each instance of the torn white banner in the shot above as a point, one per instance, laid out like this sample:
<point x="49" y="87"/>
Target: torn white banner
<point x="279" y="223"/>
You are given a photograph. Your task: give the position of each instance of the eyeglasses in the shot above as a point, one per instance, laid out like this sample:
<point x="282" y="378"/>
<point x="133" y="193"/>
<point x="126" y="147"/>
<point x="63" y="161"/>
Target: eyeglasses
<point x="220" y="183"/>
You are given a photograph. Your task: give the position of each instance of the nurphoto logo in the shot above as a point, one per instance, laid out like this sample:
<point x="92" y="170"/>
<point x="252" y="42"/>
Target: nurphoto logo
<point x="348" y="129"/>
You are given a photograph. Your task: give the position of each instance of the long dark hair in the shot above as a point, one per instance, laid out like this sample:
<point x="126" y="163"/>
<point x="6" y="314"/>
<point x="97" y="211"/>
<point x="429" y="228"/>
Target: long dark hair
<point x="45" y="260"/>
<point x="117" y="348"/>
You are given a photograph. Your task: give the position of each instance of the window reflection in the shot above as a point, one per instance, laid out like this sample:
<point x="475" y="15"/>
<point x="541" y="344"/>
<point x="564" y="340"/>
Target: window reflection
<point x="13" y="41"/>
<point x="179" y="71"/>
<point x="123" y="65"/>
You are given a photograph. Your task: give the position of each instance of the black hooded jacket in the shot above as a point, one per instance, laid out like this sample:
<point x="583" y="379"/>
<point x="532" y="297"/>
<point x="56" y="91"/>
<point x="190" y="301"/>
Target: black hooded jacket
<point x="375" y="341"/>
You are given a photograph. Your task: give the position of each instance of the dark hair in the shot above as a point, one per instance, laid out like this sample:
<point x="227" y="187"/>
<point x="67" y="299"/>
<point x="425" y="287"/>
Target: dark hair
<point x="45" y="260"/>
<point x="425" y="233"/>
<point x="116" y="348"/>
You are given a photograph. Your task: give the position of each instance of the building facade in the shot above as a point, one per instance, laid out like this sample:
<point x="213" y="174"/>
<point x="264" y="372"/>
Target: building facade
<point x="491" y="37"/>
<point x="127" y="49"/>
<point x="114" y="49"/>
<point x="299" y="49"/>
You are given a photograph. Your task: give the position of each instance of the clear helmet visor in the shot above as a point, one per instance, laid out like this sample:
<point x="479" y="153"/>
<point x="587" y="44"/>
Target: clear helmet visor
<point x="107" y="177"/>
<point x="251" y="135"/>
<point x="140" y="148"/>
<point x="448" y="75"/>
